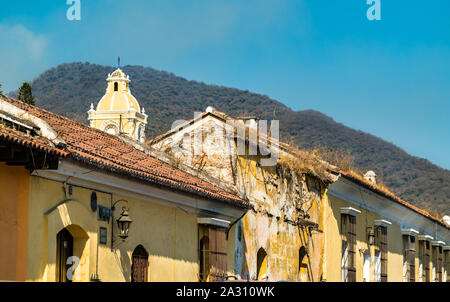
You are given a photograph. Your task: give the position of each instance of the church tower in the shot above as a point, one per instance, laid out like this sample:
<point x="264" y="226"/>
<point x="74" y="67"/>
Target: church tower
<point x="118" y="112"/>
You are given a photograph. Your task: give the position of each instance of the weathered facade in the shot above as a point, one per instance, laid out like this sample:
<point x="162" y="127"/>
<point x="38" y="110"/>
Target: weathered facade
<point x="307" y="226"/>
<point x="281" y="237"/>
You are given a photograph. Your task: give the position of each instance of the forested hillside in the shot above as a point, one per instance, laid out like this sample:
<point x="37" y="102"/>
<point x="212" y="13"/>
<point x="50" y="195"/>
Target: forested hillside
<point x="69" y="89"/>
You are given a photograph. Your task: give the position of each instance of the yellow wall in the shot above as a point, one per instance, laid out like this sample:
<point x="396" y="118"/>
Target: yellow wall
<point x="276" y="195"/>
<point x="333" y="243"/>
<point x="14" y="188"/>
<point x="169" y="235"/>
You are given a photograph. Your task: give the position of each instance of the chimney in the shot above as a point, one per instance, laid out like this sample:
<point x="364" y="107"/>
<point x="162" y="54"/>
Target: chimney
<point x="210" y="109"/>
<point x="371" y="176"/>
<point x="446" y="219"/>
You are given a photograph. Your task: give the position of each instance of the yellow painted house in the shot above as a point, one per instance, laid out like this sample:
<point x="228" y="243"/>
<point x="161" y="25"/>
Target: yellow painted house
<point x="80" y="204"/>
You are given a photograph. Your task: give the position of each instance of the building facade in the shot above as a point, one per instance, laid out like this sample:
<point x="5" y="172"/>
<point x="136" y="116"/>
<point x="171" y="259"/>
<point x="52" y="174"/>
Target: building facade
<point x="302" y="226"/>
<point x="198" y="203"/>
<point x="72" y="191"/>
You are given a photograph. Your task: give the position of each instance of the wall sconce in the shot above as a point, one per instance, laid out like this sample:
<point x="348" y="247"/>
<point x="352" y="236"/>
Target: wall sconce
<point x="370" y="236"/>
<point x="123" y="223"/>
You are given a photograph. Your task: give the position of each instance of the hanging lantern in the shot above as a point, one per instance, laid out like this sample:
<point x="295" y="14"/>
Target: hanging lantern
<point x="123" y="222"/>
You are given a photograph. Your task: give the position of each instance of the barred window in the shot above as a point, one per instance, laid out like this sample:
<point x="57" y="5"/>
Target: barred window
<point x="426" y="261"/>
<point x="348" y="227"/>
<point x="409" y="257"/>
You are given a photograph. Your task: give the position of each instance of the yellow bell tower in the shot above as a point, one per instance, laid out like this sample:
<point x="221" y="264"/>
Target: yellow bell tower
<point x="118" y="112"/>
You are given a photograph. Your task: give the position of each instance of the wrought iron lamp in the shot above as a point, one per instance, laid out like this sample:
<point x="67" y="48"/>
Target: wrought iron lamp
<point x="123" y="223"/>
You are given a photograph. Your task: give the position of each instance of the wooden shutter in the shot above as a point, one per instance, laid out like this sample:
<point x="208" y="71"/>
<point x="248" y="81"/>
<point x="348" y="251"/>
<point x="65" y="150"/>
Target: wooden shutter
<point x="439" y="263"/>
<point x="349" y="232"/>
<point x="412" y="259"/>
<point x="351" y="237"/>
<point x="217" y="253"/>
<point x="426" y="261"/>
<point x="382" y="245"/>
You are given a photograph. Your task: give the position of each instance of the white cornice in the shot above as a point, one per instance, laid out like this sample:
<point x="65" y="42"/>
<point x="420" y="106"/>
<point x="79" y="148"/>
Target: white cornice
<point x="350" y="211"/>
<point x="446" y="248"/>
<point x="425" y="237"/>
<point x="389" y="210"/>
<point x="382" y="222"/>
<point x="437" y="243"/>
<point x="410" y="232"/>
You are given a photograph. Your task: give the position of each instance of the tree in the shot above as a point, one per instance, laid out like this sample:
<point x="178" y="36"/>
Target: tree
<point x="25" y="94"/>
<point x="1" y="89"/>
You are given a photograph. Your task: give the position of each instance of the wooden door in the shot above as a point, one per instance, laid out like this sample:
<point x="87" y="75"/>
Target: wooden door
<point x="139" y="267"/>
<point x="64" y="250"/>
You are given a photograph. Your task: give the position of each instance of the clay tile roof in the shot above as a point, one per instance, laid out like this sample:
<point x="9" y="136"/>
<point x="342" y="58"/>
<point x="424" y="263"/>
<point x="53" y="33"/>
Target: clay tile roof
<point x="105" y="151"/>
<point x="351" y="176"/>
<point x="385" y="193"/>
<point x="35" y="142"/>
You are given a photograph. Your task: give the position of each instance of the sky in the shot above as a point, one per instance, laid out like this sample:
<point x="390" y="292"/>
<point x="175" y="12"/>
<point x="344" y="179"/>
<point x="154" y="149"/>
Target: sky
<point x="388" y="77"/>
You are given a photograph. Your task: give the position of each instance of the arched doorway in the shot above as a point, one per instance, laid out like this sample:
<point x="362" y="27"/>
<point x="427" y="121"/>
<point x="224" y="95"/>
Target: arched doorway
<point x="261" y="264"/>
<point x="64" y="250"/>
<point x="139" y="267"/>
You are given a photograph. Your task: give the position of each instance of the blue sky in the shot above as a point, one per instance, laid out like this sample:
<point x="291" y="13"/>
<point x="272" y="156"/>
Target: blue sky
<point x="390" y="78"/>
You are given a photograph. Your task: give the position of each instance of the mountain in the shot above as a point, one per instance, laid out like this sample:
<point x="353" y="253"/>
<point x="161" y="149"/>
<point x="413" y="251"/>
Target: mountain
<point x="69" y="89"/>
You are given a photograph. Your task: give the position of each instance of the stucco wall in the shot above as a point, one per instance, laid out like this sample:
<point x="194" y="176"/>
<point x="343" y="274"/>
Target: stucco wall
<point x="364" y="220"/>
<point x="14" y="188"/>
<point x="169" y="235"/>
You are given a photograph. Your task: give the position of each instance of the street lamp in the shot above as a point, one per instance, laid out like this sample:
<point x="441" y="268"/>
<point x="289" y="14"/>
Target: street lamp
<point x="123" y="222"/>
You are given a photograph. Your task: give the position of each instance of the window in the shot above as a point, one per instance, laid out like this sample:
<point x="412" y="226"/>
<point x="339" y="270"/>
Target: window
<point x="213" y="253"/>
<point x="116" y="86"/>
<point x="426" y="261"/>
<point x="348" y="228"/>
<point x="446" y="275"/>
<point x="381" y="233"/>
<point x="409" y="257"/>
<point x="438" y="256"/>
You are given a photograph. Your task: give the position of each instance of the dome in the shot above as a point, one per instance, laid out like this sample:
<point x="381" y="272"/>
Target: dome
<point x="118" y="101"/>
<point x="118" y="96"/>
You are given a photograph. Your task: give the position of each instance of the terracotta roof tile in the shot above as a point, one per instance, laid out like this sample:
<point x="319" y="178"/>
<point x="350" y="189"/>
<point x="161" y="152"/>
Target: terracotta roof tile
<point x="98" y="148"/>
<point x="374" y="188"/>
